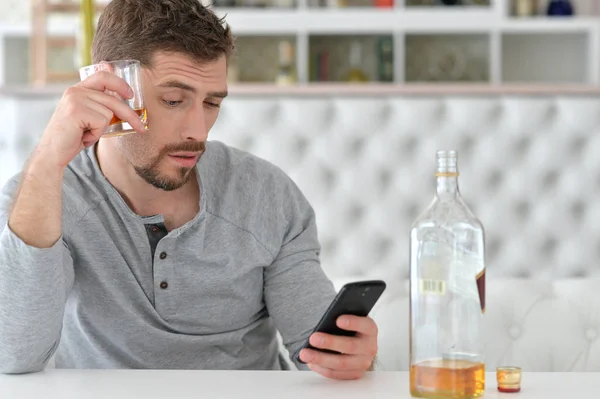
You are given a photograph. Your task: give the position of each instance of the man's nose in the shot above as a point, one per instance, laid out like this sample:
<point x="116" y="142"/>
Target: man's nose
<point x="195" y="126"/>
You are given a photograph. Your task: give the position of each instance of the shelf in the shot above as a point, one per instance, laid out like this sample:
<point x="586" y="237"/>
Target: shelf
<point x="338" y="89"/>
<point x="68" y="7"/>
<point x="447" y="58"/>
<point x="252" y="51"/>
<point x="331" y="57"/>
<point x="278" y="21"/>
<point x="549" y="25"/>
<point x="354" y="21"/>
<point x="413" y="89"/>
<point x="500" y="48"/>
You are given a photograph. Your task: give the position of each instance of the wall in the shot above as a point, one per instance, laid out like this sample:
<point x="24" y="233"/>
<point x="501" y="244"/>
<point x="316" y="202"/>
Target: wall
<point x="529" y="169"/>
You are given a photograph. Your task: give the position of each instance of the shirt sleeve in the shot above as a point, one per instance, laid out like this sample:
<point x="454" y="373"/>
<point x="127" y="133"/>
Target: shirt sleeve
<point x="297" y="290"/>
<point x="34" y="284"/>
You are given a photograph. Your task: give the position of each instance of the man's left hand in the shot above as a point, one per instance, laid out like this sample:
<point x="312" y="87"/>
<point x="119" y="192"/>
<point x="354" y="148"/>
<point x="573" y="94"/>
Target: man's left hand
<point x="357" y="353"/>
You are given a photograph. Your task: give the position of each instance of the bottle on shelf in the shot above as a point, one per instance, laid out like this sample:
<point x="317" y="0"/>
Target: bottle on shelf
<point x="283" y="3"/>
<point x="320" y="66"/>
<point x="286" y="71"/>
<point x="559" y="8"/>
<point x="383" y="3"/>
<point x="233" y="73"/>
<point x="447" y="293"/>
<point x="328" y="3"/>
<point x="385" y="59"/>
<point x="525" y="8"/>
<point x="355" y="71"/>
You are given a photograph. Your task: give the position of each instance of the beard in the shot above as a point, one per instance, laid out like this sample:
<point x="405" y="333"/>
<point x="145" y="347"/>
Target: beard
<point x="151" y="172"/>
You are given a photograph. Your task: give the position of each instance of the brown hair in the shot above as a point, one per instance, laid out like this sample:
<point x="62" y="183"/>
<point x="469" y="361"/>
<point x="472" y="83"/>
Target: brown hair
<point x="136" y="29"/>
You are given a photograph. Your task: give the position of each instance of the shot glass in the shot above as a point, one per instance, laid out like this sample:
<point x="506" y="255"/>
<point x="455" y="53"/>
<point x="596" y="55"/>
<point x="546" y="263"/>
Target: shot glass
<point x="130" y="71"/>
<point x="508" y="378"/>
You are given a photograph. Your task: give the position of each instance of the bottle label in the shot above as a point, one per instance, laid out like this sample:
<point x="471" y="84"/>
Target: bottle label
<point x="432" y="287"/>
<point x="481" y="288"/>
<point x="432" y="281"/>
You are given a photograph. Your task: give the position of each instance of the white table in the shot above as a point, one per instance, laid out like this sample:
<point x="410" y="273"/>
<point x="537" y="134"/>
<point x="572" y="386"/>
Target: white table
<point x="160" y="384"/>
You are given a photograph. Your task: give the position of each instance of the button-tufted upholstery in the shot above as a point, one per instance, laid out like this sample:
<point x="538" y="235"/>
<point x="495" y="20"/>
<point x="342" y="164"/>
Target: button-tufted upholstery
<point x="530" y="169"/>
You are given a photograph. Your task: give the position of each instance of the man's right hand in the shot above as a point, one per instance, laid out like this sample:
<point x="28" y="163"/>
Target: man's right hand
<point x="80" y="119"/>
<point x="83" y="115"/>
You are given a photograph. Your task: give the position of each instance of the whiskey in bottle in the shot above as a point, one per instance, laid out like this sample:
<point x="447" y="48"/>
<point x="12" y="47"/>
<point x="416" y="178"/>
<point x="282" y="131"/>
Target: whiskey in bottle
<point x="447" y="294"/>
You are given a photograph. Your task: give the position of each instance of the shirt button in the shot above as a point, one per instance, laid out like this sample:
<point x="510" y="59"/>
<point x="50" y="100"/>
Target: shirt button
<point x="154" y="229"/>
<point x="163" y="255"/>
<point x="164" y="285"/>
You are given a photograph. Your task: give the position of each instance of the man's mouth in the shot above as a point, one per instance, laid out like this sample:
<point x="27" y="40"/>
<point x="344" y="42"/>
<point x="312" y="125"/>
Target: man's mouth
<point x="185" y="154"/>
<point x="186" y="159"/>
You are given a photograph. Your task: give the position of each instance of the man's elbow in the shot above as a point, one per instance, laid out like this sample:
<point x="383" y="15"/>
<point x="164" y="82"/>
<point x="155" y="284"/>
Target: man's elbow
<point x="20" y="369"/>
<point x="18" y="365"/>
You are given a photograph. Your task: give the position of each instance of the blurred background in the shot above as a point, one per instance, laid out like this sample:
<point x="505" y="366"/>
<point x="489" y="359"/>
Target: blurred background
<point x="352" y="98"/>
<point x="383" y="41"/>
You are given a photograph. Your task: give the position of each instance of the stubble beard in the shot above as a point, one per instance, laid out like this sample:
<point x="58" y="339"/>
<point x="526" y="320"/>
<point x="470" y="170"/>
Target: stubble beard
<point x="151" y="173"/>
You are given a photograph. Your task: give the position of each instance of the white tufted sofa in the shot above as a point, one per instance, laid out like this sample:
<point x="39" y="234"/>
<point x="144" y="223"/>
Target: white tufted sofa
<point x="530" y="169"/>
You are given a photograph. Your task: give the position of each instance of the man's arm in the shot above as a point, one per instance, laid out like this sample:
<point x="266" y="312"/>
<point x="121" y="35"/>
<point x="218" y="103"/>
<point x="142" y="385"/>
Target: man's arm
<point x="297" y="291"/>
<point x="36" y="271"/>
<point x="36" y="268"/>
<point x="297" y="294"/>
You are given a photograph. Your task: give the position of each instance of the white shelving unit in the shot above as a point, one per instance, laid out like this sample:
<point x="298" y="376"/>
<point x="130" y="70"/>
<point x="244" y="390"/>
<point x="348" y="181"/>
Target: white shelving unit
<point x="509" y="49"/>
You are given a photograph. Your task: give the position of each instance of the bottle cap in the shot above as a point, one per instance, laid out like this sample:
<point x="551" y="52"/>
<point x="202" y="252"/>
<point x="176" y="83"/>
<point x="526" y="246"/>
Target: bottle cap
<point x="509" y="378"/>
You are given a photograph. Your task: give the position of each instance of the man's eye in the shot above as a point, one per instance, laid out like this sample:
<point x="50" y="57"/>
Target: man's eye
<point x="169" y="103"/>
<point x="211" y="105"/>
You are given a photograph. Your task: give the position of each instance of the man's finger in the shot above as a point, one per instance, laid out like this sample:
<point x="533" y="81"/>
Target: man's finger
<point x="103" y="81"/>
<point x="336" y="374"/>
<point x="345" y="345"/>
<point x="118" y="108"/>
<point x="336" y="361"/>
<point x="362" y="325"/>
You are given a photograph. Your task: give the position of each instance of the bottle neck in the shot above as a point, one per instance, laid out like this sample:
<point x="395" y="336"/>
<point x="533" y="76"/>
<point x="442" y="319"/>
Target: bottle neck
<point x="447" y="185"/>
<point x="355" y="55"/>
<point x="285" y="54"/>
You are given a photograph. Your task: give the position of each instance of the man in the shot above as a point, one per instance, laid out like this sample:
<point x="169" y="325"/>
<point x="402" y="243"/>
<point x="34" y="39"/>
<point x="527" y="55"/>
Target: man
<point x="160" y="249"/>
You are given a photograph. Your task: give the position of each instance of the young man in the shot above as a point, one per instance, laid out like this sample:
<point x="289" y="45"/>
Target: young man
<point x="160" y="249"/>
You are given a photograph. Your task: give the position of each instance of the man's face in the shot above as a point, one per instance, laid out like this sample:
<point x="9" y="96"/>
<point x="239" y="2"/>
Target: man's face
<point x="182" y="98"/>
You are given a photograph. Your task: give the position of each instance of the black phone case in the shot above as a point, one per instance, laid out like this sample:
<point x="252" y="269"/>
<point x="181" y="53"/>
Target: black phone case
<point x="357" y="298"/>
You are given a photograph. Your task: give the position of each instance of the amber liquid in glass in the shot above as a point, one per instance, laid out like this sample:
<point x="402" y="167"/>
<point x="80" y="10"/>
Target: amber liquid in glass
<point x="447" y="379"/>
<point x="120" y="128"/>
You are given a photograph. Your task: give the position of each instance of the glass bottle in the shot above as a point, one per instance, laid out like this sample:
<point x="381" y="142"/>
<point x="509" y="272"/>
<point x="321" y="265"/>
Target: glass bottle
<point x="356" y="72"/>
<point x="286" y="71"/>
<point x="525" y="8"/>
<point x="447" y="294"/>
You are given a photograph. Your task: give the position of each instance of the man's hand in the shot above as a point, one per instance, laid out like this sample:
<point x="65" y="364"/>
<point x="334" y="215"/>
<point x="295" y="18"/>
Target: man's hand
<point x="357" y="353"/>
<point x="82" y="115"/>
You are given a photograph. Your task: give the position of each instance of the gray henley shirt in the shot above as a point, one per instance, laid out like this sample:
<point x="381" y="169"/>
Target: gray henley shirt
<point x="119" y="291"/>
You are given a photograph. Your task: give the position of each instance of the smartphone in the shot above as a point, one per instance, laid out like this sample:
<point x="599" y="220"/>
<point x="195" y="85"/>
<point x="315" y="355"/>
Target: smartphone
<point x="357" y="299"/>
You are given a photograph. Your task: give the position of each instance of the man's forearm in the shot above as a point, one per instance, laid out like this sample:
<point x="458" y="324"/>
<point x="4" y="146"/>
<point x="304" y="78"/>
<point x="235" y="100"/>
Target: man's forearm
<point x="37" y="210"/>
<point x="36" y="268"/>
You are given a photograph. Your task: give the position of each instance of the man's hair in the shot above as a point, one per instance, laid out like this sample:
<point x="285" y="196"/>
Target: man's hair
<point x="137" y="29"/>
